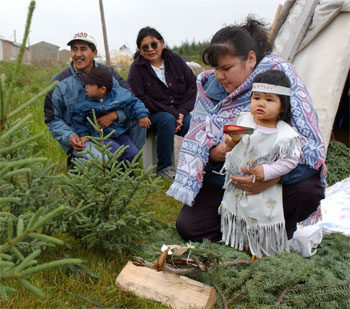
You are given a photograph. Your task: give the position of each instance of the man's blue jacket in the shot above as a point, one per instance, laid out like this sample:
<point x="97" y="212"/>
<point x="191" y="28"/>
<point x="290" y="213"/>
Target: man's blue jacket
<point x="60" y="101"/>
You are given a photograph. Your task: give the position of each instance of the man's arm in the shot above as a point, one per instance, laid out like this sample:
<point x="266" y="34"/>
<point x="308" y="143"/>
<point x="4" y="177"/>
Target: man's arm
<point x="54" y="109"/>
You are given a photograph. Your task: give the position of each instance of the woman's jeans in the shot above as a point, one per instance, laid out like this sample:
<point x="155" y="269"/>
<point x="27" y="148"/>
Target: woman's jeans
<point x="164" y="125"/>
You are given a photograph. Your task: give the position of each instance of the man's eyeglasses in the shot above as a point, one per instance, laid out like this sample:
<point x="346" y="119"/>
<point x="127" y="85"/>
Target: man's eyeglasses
<point x="146" y="47"/>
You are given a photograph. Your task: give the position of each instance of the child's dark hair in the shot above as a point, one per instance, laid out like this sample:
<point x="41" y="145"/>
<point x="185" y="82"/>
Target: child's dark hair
<point x="100" y="76"/>
<point x="278" y="78"/>
<point x="108" y="88"/>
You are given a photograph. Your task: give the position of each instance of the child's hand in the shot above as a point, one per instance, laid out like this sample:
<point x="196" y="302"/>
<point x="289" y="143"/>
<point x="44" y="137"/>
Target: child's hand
<point x="84" y="139"/>
<point x="145" y="122"/>
<point x="258" y="171"/>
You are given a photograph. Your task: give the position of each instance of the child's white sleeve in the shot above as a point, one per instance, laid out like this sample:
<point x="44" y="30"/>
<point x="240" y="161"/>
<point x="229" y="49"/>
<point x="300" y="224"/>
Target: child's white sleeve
<point x="280" y="167"/>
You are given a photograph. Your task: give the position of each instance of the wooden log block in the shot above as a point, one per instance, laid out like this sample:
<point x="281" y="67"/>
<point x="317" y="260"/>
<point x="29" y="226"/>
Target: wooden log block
<point x="170" y="289"/>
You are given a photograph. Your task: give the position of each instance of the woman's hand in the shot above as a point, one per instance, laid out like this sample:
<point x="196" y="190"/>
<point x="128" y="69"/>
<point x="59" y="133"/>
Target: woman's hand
<point x="106" y="120"/>
<point x="218" y="153"/>
<point x="179" y="122"/>
<point x="249" y="184"/>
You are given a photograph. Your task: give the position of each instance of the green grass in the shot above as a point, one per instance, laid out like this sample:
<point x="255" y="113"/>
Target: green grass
<point x="65" y="288"/>
<point x="76" y="288"/>
<point x="95" y="287"/>
<point x="32" y="79"/>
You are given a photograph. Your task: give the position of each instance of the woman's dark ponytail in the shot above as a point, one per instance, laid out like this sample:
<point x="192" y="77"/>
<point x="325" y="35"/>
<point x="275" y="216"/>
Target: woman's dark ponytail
<point x="238" y="41"/>
<point x="259" y="32"/>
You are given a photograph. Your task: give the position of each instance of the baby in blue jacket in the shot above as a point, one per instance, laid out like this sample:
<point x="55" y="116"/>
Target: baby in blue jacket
<point x="105" y="95"/>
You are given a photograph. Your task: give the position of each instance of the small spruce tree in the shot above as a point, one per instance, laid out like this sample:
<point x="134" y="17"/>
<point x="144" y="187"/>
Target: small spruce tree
<point x="110" y="199"/>
<point x="24" y="209"/>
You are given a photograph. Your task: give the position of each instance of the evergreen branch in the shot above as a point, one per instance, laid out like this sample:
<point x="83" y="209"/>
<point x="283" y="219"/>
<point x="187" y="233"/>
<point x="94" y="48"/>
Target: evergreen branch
<point x="27" y="261"/>
<point x="49" y="216"/>
<point x="127" y="201"/>
<point x="16" y="252"/>
<point x="283" y="294"/>
<point x="49" y="265"/>
<point x="34" y="218"/>
<point x="3" y="291"/>
<point x="73" y="186"/>
<point x="19" y="124"/>
<point x="224" y="301"/>
<point x="313" y="288"/>
<point x="31" y="288"/>
<point x="20" y="226"/>
<point x="9" y="199"/>
<point x="21" y="143"/>
<point x="6" y="256"/>
<point x="16" y="173"/>
<point x="235" y="297"/>
<point x="20" y="55"/>
<point x="10" y="243"/>
<point x="3" y="110"/>
<point x="32" y="100"/>
<point x="236" y="262"/>
<point x="46" y="238"/>
<point x="4" y="264"/>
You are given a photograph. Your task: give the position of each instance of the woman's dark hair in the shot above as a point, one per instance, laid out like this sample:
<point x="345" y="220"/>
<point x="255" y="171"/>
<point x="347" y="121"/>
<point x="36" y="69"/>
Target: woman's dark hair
<point x="146" y="31"/>
<point x="238" y="41"/>
<point x="278" y="78"/>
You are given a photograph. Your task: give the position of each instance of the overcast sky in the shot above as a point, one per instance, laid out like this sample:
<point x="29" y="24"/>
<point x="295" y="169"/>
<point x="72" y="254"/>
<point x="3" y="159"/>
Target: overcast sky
<point x="55" y="21"/>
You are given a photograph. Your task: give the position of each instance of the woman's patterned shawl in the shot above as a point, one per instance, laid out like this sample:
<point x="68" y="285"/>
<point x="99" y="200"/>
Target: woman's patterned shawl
<point x="206" y="129"/>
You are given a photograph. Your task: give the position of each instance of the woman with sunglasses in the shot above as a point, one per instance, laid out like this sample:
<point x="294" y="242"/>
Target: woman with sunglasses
<point x="167" y="86"/>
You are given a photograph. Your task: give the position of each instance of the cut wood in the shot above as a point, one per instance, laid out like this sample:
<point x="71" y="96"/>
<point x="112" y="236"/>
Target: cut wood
<point x="167" y="288"/>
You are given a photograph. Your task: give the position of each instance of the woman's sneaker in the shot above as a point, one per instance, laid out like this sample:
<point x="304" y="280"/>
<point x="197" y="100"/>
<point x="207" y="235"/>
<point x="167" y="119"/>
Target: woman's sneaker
<point x="167" y="172"/>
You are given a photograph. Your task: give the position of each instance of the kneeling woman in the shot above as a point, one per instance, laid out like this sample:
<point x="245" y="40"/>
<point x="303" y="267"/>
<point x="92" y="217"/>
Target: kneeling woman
<point x="167" y="86"/>
<point x="237" y="54"/>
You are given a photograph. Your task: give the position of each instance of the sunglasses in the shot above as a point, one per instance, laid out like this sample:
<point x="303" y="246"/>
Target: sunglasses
<point x="146" y="47"/>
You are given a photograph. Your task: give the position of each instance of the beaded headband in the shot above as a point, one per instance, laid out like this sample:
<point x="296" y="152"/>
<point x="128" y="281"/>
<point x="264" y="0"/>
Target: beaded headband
<point x="268" y="88"/>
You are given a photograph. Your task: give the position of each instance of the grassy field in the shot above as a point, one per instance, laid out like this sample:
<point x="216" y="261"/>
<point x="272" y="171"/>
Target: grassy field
<point x="92" y="285"/>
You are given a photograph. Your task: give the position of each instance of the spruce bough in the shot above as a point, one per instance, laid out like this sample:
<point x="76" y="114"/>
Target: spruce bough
<point x="22" y="230"/>
<point x="109" y="199"/>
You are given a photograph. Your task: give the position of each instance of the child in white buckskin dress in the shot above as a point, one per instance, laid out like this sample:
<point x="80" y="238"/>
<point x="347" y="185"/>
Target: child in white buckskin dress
<point x="256" y="222"/>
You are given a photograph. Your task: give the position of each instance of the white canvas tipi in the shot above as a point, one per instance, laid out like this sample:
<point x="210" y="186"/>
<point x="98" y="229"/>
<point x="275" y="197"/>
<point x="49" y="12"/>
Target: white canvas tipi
<point x="315" y="37"/>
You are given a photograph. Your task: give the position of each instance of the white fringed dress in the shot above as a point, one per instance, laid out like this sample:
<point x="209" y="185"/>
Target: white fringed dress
<point x="256" y="222"/>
